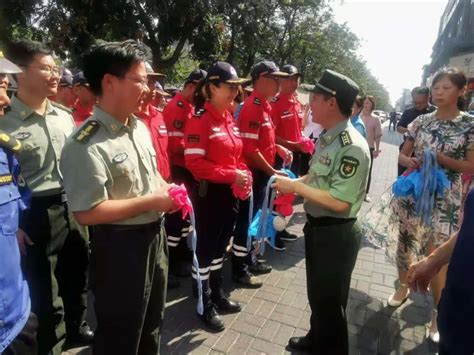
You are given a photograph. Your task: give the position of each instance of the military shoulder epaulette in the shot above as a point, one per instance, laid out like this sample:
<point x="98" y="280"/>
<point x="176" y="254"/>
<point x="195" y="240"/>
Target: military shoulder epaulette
<point x="256" y="101"/>
<point x="9" y="142"/>
<point x="179" y="103"/>
<point x="275" y="99"/>
<point x="200" y="112"/>
<point x="345" y="138"/>
<point x="62" y="107"/>
<point x="87" y="131"/>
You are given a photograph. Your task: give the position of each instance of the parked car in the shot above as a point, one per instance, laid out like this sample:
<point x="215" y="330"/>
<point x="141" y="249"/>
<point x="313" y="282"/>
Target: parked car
<point x="381" y="114"/>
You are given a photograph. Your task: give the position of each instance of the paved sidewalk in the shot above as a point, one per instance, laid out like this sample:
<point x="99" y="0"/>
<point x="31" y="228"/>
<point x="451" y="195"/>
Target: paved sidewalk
<point x="279" y="310"/>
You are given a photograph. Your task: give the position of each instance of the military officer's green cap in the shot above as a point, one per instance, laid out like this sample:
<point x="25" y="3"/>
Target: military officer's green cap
<point x="7" y="67"/>
<point x="344" y="89"/>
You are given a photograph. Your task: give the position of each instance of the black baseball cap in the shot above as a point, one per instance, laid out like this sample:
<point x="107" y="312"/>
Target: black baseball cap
<point x="66" y="78"/>
<point x="291" y="70"/>
<point x="196" y="76"/>
<point x="223" y="72"/>
<point x="343" y="88"/>
<point x="151" y="73"/>
<point x="266" y="67"/>
<point x="80" y="79"/>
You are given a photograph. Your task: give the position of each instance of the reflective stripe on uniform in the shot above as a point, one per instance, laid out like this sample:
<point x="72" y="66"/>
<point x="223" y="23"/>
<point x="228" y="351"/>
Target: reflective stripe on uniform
<point x="176" y="134"/>
<point x="249" y="135"/>
<point x="197" y="151"/>
<point x="217" y="135"/>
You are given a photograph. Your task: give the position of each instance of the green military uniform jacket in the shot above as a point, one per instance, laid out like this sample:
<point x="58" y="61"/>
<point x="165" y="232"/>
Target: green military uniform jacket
<point x="107" y="160"/>
<point x="340" y="165"/>
<point x="42" y="138"/>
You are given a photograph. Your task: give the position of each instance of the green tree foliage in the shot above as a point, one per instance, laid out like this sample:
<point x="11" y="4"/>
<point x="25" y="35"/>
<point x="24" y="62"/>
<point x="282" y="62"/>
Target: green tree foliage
<point x="183" y="33"/>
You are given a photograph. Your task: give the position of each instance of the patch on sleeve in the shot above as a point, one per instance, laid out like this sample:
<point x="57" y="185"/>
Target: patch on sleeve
<point x="345" y="138"/>
<point x="348" y="167"/>
<point x="87" y="131"/>
<point x="275" y="99"/>
<point x="194" y="138"/>
<point x="254" y="124"/>
<point x="256" y="101"/>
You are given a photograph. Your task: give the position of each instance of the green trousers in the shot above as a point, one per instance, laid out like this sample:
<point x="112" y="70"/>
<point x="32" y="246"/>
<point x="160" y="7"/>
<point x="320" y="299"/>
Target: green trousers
<point x="129" y="270"/>
<point x="56" y="268"/>
<point x="331" y="252"/>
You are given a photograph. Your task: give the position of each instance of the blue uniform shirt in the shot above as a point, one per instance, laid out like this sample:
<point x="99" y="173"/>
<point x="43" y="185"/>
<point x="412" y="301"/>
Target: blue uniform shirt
<point x="359" y="125"/>
<point x="14" y="294"/>
<point x="456" y="308"/>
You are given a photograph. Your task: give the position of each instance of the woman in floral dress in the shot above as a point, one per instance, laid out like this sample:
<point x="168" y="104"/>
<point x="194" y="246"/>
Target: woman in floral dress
<point x="450" y="134"/>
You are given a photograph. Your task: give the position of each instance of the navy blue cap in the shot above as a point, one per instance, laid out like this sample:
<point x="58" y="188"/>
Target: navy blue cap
<point x="223" y="72"/>
<point x="291" y="70"/>
<point x="66" y="78"/>
<point x="80" y="79"/>
<point x="266" y="67"/>
<point x="196" y="76"/>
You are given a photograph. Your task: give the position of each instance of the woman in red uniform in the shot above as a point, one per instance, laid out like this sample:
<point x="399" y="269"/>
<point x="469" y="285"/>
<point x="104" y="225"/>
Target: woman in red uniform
<point x="213" y="154"/>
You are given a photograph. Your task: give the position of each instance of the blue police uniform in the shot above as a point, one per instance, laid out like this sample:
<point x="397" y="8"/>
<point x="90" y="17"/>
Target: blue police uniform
<point x="14" y="197"/>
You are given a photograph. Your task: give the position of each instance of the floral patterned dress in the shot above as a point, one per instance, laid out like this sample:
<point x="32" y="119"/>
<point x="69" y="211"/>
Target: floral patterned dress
<point x="398" y="228"/>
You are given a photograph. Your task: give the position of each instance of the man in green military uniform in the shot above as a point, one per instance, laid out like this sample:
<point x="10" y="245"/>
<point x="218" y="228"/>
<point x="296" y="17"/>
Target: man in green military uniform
<point x="112" y="184"/>
<point x="55" y="252"/>
<point x="333" y="190"/>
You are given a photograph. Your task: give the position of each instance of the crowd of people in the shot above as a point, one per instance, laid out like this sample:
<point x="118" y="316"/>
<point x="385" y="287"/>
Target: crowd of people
<point x="89" y="162"/>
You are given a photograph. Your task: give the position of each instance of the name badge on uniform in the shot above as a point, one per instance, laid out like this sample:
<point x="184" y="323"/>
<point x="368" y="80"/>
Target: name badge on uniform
<point x="119" y="158"/>
<point x="22" y="135"/>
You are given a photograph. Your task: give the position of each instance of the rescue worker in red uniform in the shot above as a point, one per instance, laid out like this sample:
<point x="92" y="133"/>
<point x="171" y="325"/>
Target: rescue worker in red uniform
<point x="152" y="117"/>
<point x="287" y="116"/>
<point x="86" y="99"/>
<point x="258" y="135"/>
<point x="176" y="114"/>
<point x="65" y="95"/>
<point x="161" y="97"/>
<point x="213" y="154"/>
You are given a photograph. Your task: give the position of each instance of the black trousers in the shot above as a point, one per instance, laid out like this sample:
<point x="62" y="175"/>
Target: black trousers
<point x="56" y="268"/>
<point x="370" y="169"/>
<point x="216" y="212"/>
<point x="176" y="228"/>
<point x="25" y="342"/>
<point x="129" y="271"/>
<point x="331" y="252"/>
<point x="241" y="256"/>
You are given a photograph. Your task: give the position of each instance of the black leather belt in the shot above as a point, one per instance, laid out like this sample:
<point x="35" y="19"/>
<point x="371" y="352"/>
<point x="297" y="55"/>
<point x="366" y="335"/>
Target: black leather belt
<point x="328" y="221"/>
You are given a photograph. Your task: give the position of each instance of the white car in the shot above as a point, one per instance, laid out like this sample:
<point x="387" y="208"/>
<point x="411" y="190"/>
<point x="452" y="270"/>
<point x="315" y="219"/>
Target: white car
<point x="381" y="114"/>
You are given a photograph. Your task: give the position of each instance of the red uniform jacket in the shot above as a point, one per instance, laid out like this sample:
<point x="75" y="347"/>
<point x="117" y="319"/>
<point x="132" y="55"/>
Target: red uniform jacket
<point x="176" y="114"/>
<point x="287" y="117"/>
<point x="256" y="127"/>
<point x="159" y="136"/>
<point x="81" y="113"/>
<point x="213" y="146"/>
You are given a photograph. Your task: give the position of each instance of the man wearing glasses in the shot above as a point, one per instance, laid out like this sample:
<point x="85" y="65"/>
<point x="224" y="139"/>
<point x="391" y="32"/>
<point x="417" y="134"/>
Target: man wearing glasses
<point x="55" y="256"/>
<point x="113" y="184"/>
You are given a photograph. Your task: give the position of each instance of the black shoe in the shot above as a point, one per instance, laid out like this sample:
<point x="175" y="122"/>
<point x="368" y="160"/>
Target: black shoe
<point x="249" y="280"/>
<point x="83" y="336"/>
<point x="212" y="319"/>
<point x="173" y="282"/>
<point x="260" y="268"/>
<point x="279" y="245"/>
<point x="287" y="236"/>
<point x="225" y="305"/>
<point x="300" y="344"/>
